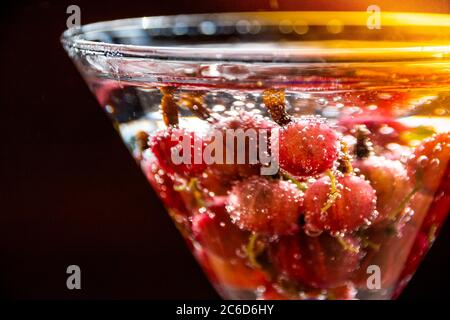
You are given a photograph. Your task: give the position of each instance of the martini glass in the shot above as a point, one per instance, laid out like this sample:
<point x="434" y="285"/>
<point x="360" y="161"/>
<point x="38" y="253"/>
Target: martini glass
<point x="352" y="108"/>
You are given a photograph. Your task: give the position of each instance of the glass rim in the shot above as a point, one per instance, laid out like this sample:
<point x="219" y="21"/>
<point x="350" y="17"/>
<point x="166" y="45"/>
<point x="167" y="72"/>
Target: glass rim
<point x="420" y="36"/>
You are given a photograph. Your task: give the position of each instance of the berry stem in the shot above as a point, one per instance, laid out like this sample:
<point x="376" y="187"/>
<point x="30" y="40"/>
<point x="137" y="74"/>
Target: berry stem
<point x="403" y="203"/>
<point x="141" y="141"/>
<point x="193" y="187"/>
<point x="253" y="251"/>
<point x="300" y="185"/>
<point x="180" y="187"/>
<point x="364" y="147"/>
<point x="372" y="245"/>
<point x="347" y="246"/>
<point x="334" y="192"/>
<point x="169" y="107"/>
<point x="275" y="102"/>
<point x="366" y="242"/>
<point x="194" y="102"/>
<point x="345" y="161"/>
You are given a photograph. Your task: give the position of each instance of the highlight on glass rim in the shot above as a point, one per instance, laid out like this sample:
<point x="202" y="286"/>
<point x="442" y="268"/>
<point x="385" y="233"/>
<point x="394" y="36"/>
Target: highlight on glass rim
<point x="264" y="150"/>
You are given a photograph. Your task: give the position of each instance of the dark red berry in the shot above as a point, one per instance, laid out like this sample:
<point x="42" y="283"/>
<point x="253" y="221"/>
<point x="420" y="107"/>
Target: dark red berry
<point x="222" y="246"/>
<point x="388" y="246"/>
<point x="234" y="275"/>
<point x="214" y="182"/>
<point x="428" y="164"/>
<point x="164" y="143"/>
<point x="353" y="205"/>
<point x="271" y="293"/>
<point x="390" y="181"/>
<point x="440" y="207"/>
<point x="265" y="206"/>
<point x="321" y="262"/>
<point x="244" y="125"/>
<point x="308" y="146"/>
<point x="164" y="187"/>
<point x="213" y="230"/>
<point x="418" y="251"/>
<point x="382" y="130"/>
<point x="345" y="292"/>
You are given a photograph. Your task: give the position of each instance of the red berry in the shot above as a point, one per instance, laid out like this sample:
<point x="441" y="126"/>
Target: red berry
<point x="216" y="182"/>
<point x="390" y="181"/>
<point x="320" y="262"/>
<point x="353" y="207"/>
<point x="272" y="294"/>
<point x="233" y="274"/>
<point x="202" y="258"/>
<point x="226" y="174"/>
<point x="388" y="246"/>
<point x="382" y="249"/>
<point x="164" y="142"/>
<point x="218" y="178"/>
<point x="308" y="146"/>
<point x="440" y="207"/>
<point x="418" y="251"/>
<point x="164" y="187"/>
<point x="395" y="151"/>
<point x="345" y="292"/>
<point x="215" y="232"/>
<point x="383" y="130"/>
<point x="220" y="250"/>
<point x="265" y="206"/>
<point x="428" y="164"/>
<point x="244" y="121"/>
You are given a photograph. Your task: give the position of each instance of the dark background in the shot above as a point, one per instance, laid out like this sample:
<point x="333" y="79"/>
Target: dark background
<point x="69" y="191"/>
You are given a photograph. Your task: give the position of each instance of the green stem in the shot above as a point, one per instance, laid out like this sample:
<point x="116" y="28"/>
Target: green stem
<point x="346" y="158"/>
<point x="180" y="187"/>
<point x="300" y="185"/>
<point x="193" y="187"/>
<point x="253" y="251"/>
<point x="403" y="203"/>
<point x="347" y="246"/>
<point x="372" y="245"/>
<point x="334" y="192"/>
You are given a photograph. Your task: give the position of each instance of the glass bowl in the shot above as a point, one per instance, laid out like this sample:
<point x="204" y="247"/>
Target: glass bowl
<point x="302" y="155"/>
